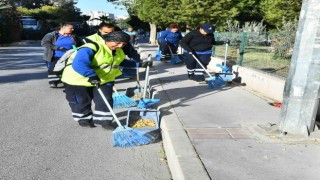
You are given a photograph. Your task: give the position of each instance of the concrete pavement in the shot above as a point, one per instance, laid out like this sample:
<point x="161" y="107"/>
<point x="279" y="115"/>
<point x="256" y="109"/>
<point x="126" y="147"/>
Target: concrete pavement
<point x="226" y="133"/>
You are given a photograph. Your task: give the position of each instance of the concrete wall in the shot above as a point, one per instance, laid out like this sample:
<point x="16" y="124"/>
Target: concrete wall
<point x="262" y="83"/>
<point x="258" y="82"/>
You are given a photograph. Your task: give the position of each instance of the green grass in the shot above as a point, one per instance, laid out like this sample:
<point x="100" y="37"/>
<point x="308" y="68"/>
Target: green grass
<point x="258" y="57"/>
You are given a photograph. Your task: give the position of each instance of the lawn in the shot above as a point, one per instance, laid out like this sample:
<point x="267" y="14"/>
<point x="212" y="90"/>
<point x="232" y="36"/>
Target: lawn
<point x="258" y="57"/>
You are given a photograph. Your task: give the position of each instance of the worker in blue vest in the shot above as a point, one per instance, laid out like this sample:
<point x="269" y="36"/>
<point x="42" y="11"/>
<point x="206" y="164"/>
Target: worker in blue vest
<point x="169" y="41"/>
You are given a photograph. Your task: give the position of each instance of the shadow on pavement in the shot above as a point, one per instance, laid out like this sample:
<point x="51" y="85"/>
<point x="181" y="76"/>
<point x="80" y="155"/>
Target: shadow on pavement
<point x="17" y="78"/>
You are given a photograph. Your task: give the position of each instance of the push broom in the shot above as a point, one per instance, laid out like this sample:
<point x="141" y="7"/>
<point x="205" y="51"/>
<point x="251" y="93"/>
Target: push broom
<point x="213" y="81"/>
<point x="124" y="136"/>
<point x="174" y="58"/>
<point x="120" y="100"/>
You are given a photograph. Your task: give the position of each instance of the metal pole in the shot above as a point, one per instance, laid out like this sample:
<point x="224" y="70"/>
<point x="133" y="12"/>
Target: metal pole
<point x="242" y="46"/>
<point x="301" y="93"/>
<point x="217" y="38"/>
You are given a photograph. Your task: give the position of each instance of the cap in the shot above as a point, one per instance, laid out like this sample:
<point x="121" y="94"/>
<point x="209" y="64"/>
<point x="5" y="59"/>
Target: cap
<point x="208" y="28"/>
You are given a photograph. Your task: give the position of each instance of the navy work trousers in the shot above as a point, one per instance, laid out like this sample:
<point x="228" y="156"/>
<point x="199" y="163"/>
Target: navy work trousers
<point x="80" y="101"/>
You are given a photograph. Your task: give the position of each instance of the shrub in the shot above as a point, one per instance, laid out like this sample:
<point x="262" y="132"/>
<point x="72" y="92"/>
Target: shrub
<point x="283" y="40"/>
<point x="256" y="31"/>
<point x="10" y="26"/>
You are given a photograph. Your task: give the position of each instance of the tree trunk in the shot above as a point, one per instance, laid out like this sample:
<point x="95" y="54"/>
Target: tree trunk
<point x="153" y="34"/>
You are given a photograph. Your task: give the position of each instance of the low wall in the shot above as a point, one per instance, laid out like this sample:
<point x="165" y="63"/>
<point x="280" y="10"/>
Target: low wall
<point x="264" y="84"/>
<point x="258" y="82"/>
<point x="261" y="83"/>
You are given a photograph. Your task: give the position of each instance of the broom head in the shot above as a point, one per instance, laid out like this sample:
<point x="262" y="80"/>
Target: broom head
<point x="124" y="136"/>
<point x="175" y="60"/>
<point x="122" y="101"/>
<point x="216" y="82"/>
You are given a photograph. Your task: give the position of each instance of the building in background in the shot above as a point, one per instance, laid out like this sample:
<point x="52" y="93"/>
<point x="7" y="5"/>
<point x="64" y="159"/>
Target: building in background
<point x="96" y="17"/>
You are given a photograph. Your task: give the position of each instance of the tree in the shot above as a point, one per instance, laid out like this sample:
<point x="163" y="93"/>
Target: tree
<point x="51" y="16"/>
<point x="9" y="21"/>
<point x="33" y="4"/>
<point x="249" y="11"/>
<point x="277" y="10"/>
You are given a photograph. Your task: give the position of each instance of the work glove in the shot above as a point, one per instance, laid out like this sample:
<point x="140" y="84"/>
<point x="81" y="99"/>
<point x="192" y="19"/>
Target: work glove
<point x="145" y="64"/>
<point x="94" y="80"/>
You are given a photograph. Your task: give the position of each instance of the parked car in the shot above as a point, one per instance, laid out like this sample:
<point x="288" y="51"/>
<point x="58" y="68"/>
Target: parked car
<point x="28" y="22"/>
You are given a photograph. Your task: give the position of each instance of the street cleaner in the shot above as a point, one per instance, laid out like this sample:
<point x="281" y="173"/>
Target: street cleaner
<point x="94" y="64"/>
<point x="105" y="28"/>
<point x="198" y="42"/>
<point x="56" y="43"/>
<point x="169" y="41"/>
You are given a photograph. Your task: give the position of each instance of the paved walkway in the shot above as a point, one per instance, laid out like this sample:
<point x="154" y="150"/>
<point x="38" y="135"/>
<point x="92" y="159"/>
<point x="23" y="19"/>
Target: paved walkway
<point x="220" y="133"/>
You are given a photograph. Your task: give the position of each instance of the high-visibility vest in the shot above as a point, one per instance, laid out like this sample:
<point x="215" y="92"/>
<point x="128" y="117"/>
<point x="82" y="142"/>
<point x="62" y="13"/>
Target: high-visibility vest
<point x="105" y="65"/>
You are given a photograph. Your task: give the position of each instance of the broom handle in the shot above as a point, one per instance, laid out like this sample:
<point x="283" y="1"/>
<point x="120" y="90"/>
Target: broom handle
<point x="108" y="105"/>
<point x="201" y="65"/>
<point x="138" y="77"/>
<point x="170" y="50"/>
<point x="146" y="81"/>
<point x="115" y="90"/>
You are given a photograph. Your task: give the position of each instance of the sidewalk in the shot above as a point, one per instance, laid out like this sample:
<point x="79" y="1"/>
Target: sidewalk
<point x="216" y="134"/>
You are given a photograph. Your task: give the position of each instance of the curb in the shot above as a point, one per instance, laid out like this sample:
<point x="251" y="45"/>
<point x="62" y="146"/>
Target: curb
<point x="183" y="160"/>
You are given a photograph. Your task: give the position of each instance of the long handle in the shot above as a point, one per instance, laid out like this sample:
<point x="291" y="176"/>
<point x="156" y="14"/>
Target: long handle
<point x="146" y="81"/>
<point x="201" y="65"/>
<point x="138" y="77"/>
<point x="108" y="105"/>
<point x="115" y="90"/>
<point x="170" y="50"/>
<point x="225" y="55"/>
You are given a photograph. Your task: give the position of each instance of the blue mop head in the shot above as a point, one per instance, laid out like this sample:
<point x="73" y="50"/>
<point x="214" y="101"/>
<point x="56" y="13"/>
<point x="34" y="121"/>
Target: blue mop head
<point x="125" y="136"/>
<point x="216" y="82"/>
<point x="146" y="102"/>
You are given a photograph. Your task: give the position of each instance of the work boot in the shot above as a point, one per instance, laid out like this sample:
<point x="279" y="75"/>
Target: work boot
<point x="163" y="60"/>
<point x="53" y="85"/>
<point x="191" y="76"/>
<point x="86" y="123"/>
<point x="106" y="124"/>
<point x="199" y="78"/>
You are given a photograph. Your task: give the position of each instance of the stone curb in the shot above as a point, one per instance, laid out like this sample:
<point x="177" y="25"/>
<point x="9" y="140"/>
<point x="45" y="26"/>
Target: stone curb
<point x="183" y="160"/>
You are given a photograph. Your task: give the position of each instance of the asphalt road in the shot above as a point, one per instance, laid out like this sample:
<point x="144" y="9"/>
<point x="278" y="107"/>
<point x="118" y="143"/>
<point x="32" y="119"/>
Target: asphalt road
<point x="40" y="140"/>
